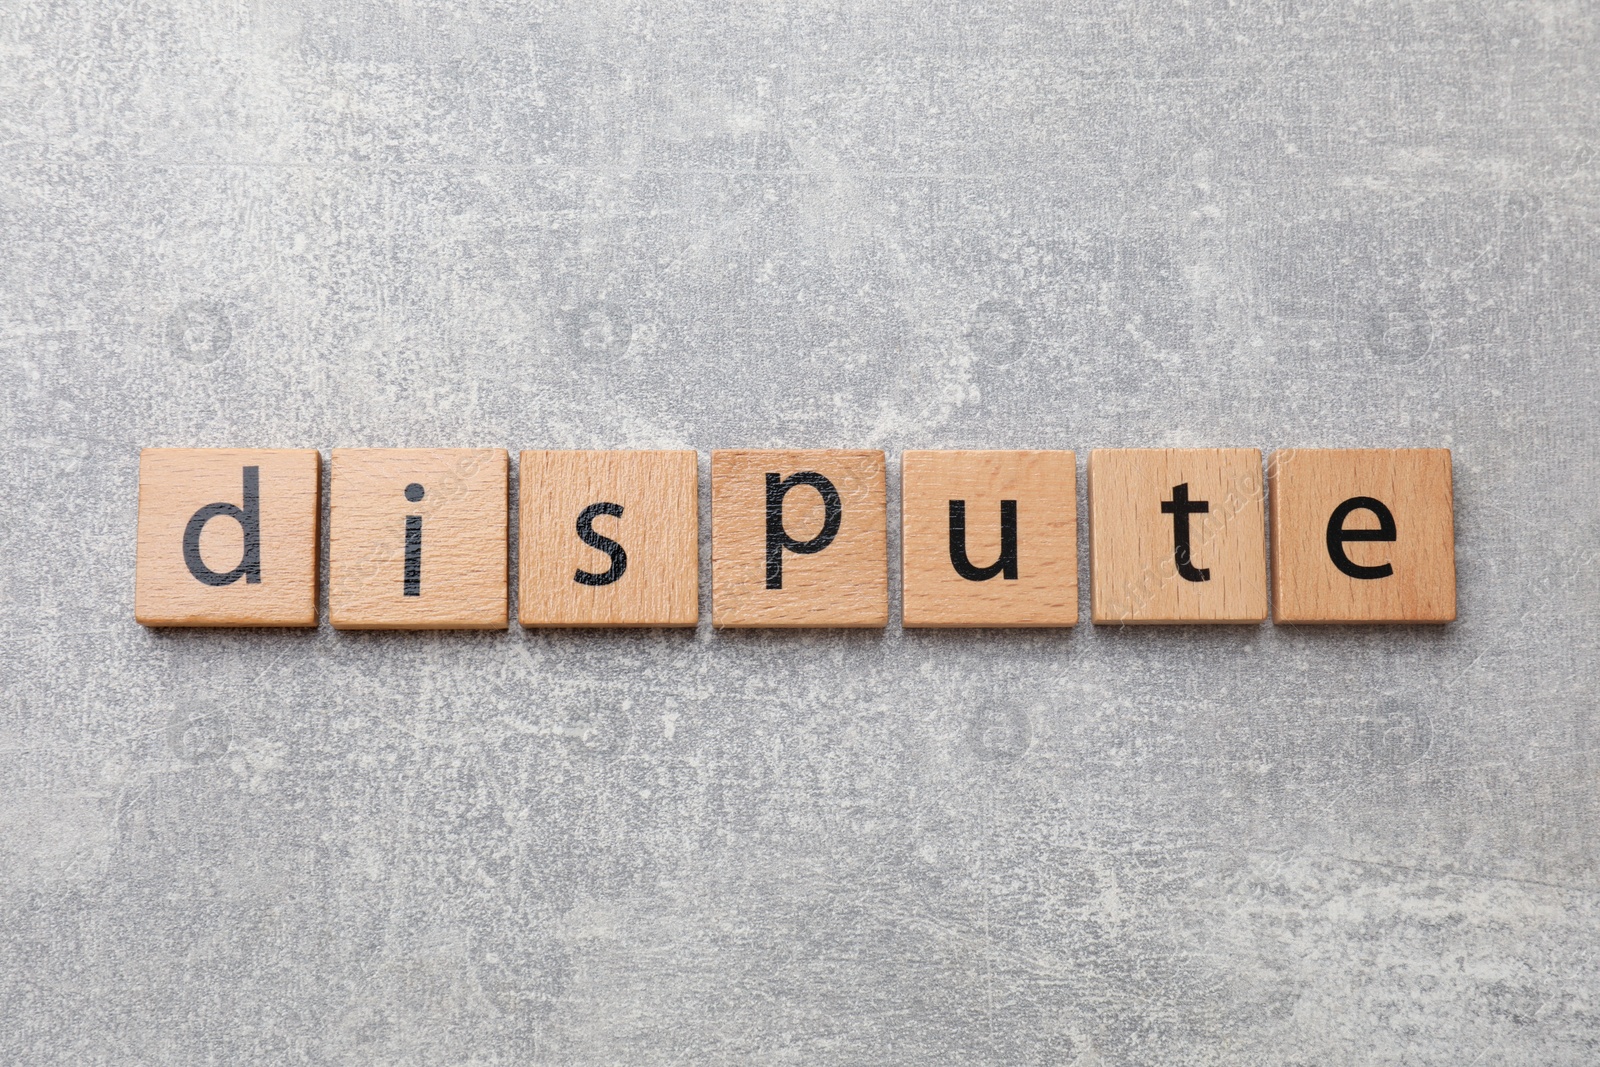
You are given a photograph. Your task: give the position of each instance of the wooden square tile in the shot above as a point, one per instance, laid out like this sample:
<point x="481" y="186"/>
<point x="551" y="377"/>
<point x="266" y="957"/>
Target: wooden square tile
<point x="989" y="538"/>
<point x="609" y="539"/>
<point x="1177" y="535"/>
<point x="227" y="537"/>
<point x="417" y="539"/>
<point x="798" y="538"/>
<point x="1362" y="535"/>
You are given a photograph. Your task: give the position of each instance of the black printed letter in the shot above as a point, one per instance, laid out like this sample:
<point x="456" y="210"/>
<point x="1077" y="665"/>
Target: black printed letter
<point x="1337" y="535"/>
<point x="587" y="534"/>
<point x="778" y="539"/>
<point x="1180" y="507"/>
<point x="411" y="577"/>
<point x="248" y="517"/>
<point x="1006" y="564"/>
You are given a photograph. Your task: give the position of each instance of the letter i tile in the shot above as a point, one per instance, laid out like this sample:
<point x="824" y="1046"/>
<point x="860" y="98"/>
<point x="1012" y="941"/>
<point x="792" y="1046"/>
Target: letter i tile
<point x="417" y="539"/>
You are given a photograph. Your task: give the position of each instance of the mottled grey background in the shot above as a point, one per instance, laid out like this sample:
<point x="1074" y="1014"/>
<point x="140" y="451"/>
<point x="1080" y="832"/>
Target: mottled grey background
<point x="602" y="224"/>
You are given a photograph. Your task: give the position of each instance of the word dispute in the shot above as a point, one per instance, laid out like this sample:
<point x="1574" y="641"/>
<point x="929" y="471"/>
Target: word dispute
<point x="420" y="538"/>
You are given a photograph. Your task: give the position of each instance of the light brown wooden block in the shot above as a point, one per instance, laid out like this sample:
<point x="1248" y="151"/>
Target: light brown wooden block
<point x="460" y="583"/>
<point x="227" y="537"/>
<point x="1029" y="578"/>
<point x="1362" y="535"/>
<point x="609" y="539"/>
<point x="821" y="580"/>
<point x="1141" y="500"/>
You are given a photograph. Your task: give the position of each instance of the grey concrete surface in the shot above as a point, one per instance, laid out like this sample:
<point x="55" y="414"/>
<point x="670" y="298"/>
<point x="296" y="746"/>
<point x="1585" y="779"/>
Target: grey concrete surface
<point x="823" y="224"/>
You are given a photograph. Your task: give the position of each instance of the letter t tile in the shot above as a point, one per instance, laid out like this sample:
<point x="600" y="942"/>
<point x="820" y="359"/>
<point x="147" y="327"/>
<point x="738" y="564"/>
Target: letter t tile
<point x="1177" y="535"/>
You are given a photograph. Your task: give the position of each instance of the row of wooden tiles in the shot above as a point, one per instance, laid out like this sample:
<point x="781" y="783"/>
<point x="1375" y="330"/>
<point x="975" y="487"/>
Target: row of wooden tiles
<point x="418" y="538"/>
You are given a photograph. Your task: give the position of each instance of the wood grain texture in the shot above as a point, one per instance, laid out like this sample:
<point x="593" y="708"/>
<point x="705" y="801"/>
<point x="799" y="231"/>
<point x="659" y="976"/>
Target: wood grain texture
<point x="657" y="534"/>
<point x="175" y="484"/>
<point x="1043" y="487"/>
<point x="1135" y="575"/>
<point x="1413" y="484"/>
<point x="462" y="581"/>
<point x="845" y="584"/>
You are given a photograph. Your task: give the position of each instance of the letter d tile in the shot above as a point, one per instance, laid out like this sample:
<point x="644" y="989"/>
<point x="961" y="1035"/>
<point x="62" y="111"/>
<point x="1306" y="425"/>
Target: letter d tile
<point x="227" y="537"/>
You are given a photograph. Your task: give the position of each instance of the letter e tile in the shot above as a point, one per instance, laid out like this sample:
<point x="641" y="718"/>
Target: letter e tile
<point x="1362" y="535"/>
